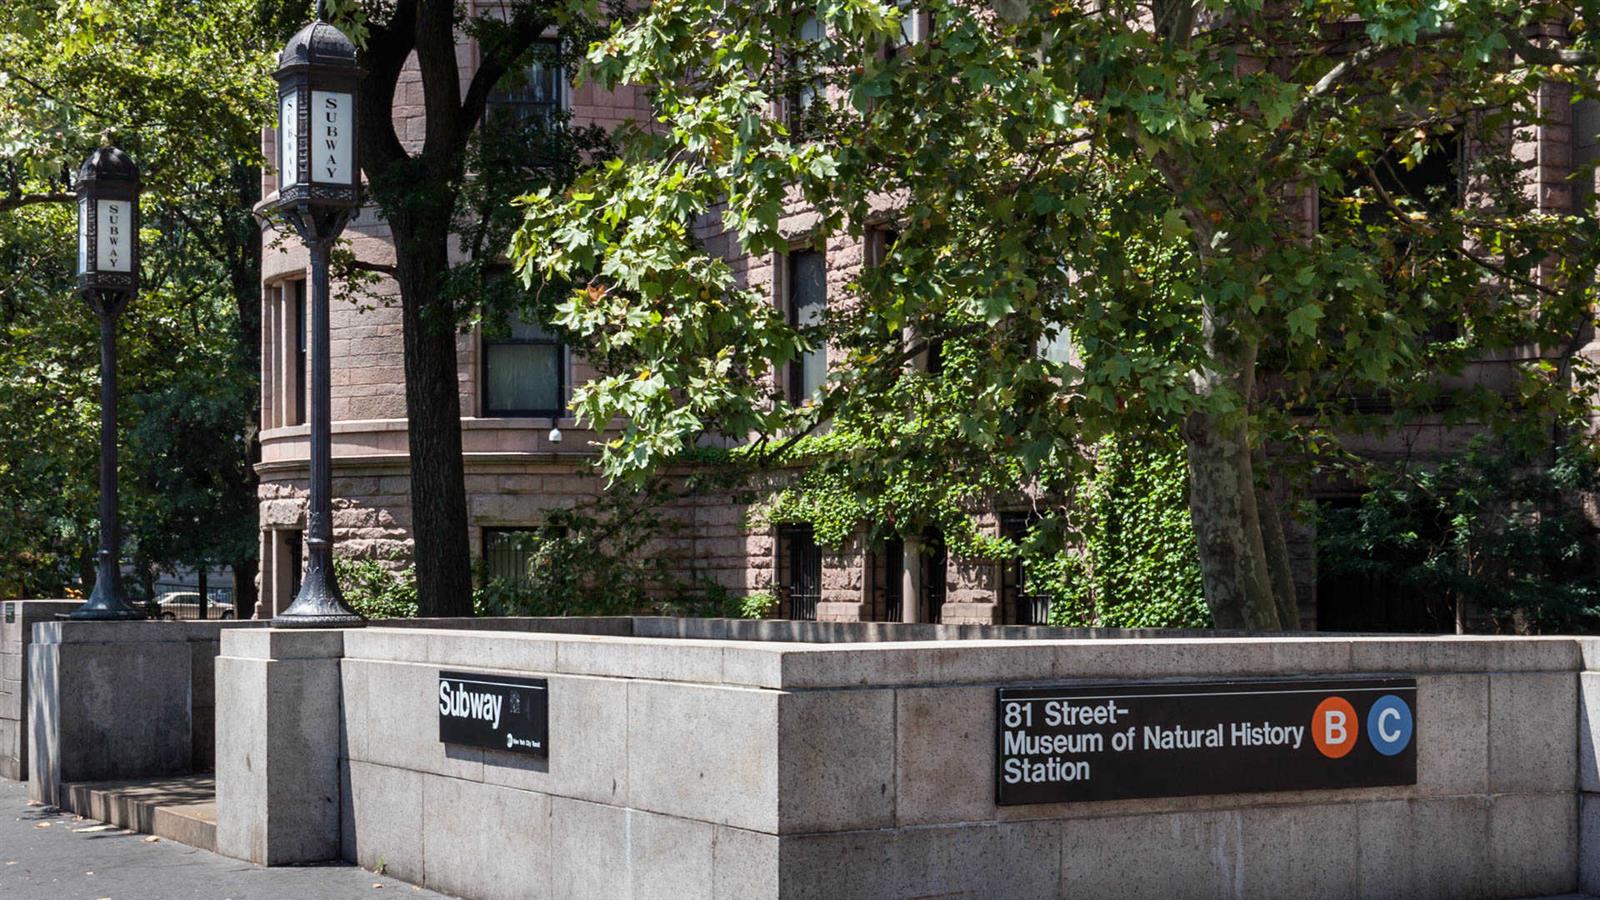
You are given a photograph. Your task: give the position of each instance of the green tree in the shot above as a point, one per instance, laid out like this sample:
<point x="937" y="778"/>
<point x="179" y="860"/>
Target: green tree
<point x="1494" y="536"/>
<point x="184" y="89"/>
<point x="1137" y="179"/>
<point x="454" y="185"/>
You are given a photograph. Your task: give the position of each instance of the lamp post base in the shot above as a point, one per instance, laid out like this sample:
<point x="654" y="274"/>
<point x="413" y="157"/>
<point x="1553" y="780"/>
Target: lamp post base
<point x="318" y="605"/>
<point x="329" y="620"/>
<point x="106" y="606"/>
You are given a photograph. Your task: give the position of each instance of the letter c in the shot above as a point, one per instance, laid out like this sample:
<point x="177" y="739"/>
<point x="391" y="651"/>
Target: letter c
<point x="1384" y="718"/>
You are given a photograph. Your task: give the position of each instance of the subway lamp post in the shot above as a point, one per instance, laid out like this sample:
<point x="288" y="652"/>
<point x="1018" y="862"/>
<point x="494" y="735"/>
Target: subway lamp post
<point x="108" y="277"/>
<point x="319" y="189"/>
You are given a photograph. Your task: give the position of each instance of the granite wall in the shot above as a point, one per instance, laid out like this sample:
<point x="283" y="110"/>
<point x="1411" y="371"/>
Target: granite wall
<point x="765" y="766"/>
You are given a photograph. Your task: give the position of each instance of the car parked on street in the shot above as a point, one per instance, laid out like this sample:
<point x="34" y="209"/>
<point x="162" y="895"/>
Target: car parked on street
<point x="174" y="605"/>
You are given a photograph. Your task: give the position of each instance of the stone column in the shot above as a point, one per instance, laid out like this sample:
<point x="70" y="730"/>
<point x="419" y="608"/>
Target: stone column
<point x="16" y="634"/>
<point x="911" y="581"/>
<point x="278" y="735"/>
<point x="1589" y="771"/>
<point x="846" y="582"/>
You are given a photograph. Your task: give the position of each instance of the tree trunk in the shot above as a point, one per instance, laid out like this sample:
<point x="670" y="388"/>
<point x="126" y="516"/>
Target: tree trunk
<point x="245" y="594"/>
<point x="433" y="408"/>
<point x="1231" y="560"/>
<point x="245" y="272"/>
<point x="1250" y="522"/>
<point x="1282" y="576"/>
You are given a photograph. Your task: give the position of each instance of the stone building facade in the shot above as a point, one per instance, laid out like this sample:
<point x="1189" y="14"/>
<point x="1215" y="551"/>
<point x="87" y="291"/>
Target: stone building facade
<point x="523" y="463"/>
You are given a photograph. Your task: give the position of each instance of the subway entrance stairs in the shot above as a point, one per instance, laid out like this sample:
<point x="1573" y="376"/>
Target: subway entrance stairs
<point x="181" y="808"/>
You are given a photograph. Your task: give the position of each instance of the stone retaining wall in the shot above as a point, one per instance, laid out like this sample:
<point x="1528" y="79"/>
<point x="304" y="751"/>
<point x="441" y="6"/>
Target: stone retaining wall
<point x="114" y="700"/>
<point x="748" y="768"/>
<point x="16" y="632"/>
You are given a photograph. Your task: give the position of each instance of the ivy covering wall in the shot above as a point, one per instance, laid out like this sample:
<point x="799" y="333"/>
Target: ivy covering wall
<point x="1119" y="553"/>
<point x="1136" y="565"/>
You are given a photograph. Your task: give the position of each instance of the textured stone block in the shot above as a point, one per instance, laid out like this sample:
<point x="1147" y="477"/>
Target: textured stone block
<point x="241" y="758"/>
<point x="1588" y="730"/>
<point x="1533" y="844"/>
<point x="1449" y="653"/>
<point x="1177" y="855"/>
<point x="1426" y="848"/>
<point x="1017" y="861"/>
<point x="704" y="753"/>
<point x="202" y="669"/>
<point x="943" y="770"/>
<point x="203" y="739"/>
<point x="588" y="752"/>
<point x="744" y="865"/>
<point x="278" y="772"/>
<point x="589" y="851"/>
<point x="1299" y="851"/>
<point x="670" y="858"/>
<point x="392" y="719"/>
<point x="1533" y="731"/>
<point x="845" y="665"/>
<point x="11" y="740"/>
<point x="836" y="758"/>
<point x="681" y="660"/>
<point x="108" y="711"/>
<point x="1589" y="843"/>
<point x="1452" y="734"/>
<point x="278" y="643"/>
<point x="531" y="653"/>
<point x="486" y="841"/>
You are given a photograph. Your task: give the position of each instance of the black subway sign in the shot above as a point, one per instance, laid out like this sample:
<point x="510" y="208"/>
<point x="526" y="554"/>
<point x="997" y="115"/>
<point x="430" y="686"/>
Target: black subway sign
<point x="497" y="712"/>
<point x="1118" y="742"/>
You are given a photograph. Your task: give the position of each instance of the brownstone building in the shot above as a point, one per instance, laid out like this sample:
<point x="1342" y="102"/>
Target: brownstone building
<point x="524" y="454"/>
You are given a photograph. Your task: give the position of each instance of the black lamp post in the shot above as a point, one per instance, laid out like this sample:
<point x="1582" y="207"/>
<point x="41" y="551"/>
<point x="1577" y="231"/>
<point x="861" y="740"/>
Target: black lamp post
<point x="108" y="277"/>
<point x="319" y="189"/>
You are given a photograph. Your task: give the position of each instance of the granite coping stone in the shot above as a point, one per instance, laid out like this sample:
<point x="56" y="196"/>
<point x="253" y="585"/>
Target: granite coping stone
<point x="799" y="666"/>
<point x="68" y="632"/>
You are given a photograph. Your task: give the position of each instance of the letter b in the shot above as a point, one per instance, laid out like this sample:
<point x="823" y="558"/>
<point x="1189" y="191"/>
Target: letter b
<point x="1334" y="727"/>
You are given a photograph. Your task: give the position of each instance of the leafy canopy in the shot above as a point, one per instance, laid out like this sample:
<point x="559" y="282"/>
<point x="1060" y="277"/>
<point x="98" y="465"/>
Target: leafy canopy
<point x="1199" y="197"/>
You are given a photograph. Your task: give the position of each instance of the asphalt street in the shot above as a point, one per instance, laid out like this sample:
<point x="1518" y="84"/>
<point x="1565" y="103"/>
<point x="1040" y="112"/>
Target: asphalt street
<point x="50" y="855"/>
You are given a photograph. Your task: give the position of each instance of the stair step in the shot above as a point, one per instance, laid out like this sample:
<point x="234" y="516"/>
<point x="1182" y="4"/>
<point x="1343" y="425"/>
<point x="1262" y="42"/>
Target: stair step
<point x="181" y="809"/>
<point x="194" y="824"/>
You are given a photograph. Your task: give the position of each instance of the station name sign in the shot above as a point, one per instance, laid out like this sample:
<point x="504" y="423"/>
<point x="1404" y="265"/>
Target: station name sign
<point x="496" y="712"/>
<point x="1086" y="742"/>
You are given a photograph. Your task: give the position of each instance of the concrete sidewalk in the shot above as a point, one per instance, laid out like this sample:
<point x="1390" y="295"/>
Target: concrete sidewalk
<point x="45" y="856"/>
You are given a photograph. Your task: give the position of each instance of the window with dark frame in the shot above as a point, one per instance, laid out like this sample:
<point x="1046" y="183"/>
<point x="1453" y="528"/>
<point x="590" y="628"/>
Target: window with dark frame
<point x="507" y="552"/>
<point x="806" y="274"/>
<point x="800" y="571"/>
<point x="294" y="547"/>
<point x="893" y="558"/>
<point x="536" y="93"/>
<point x="524" y="372"/>
<point x="935" y="574"/>
<point x="1017" y="605"/>
<point x="802" y="91"/>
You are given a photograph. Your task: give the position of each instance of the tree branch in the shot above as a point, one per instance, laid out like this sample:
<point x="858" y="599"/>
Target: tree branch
<point x="383" y="58"/>
<point x="380" y="268"/>
<point x="18" y="200"/>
